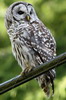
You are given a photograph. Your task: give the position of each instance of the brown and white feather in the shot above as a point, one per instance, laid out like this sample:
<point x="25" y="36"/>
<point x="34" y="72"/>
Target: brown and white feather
<point x="32" y="43"/>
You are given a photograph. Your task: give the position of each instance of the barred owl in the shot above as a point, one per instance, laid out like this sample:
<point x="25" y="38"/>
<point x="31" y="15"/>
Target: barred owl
<point x="32" y="43"/>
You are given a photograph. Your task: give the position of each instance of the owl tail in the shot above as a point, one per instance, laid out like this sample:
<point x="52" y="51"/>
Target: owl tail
<point x="46" y="81"/>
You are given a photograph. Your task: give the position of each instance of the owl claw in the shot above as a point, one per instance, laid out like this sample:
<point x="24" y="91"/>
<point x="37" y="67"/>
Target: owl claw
<point x="27" y="70"/>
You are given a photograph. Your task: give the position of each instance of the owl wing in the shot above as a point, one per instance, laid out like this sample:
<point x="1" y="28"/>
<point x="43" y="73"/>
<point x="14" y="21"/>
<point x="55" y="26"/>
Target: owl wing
<point x="43" y="44"/>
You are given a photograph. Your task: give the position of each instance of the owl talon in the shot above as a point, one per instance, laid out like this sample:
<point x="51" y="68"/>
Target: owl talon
<point x="27" y="70"/>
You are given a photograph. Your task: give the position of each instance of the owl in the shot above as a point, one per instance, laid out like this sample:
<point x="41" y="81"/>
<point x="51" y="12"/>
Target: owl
<point x="32" y="43"/>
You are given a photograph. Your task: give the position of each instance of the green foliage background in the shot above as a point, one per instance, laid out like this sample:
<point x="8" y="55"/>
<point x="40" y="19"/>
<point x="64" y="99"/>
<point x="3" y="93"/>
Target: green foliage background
<point x="53" y="15"/>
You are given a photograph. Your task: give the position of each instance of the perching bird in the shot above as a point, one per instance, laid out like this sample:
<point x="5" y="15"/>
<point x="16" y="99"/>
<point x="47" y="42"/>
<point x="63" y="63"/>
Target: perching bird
<point x="32" y="43"/>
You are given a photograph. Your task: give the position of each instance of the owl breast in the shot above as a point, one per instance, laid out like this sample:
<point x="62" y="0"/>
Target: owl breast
<point x="20" y="47"/>
<point x="31" y="44"/>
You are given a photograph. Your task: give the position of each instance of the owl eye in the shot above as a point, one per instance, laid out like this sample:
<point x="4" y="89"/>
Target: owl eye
<point x="31" y="11"/>
<point x="20" y="12"/>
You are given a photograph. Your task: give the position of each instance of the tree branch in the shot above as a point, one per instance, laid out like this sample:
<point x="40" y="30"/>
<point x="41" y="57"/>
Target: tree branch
<point x="18" y="80"/>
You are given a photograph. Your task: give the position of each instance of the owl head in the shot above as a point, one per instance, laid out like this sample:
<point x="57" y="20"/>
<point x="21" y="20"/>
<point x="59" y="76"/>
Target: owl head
<point x="20" y="12"/>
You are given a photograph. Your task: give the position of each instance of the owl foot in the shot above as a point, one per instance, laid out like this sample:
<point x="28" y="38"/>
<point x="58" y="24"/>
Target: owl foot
<point x="26" y="70"/>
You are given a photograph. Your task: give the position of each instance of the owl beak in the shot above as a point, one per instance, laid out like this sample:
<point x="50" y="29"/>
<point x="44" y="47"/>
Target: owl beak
<point x="28" y="18"/>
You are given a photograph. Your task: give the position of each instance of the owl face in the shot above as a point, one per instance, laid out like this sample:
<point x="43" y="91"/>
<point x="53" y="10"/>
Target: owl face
<point x="20" y="11"/>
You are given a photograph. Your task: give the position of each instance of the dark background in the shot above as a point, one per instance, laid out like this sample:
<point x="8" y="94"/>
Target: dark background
<point x="53" y="15"/>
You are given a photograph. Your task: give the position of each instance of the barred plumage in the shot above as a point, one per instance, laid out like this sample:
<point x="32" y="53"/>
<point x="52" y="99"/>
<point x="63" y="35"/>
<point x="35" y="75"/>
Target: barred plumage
<point x="32" y="43"/>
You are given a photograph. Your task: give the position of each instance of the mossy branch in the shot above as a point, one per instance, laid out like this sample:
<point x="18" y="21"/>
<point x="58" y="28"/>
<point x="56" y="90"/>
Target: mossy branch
<point x="18" y="80"/>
